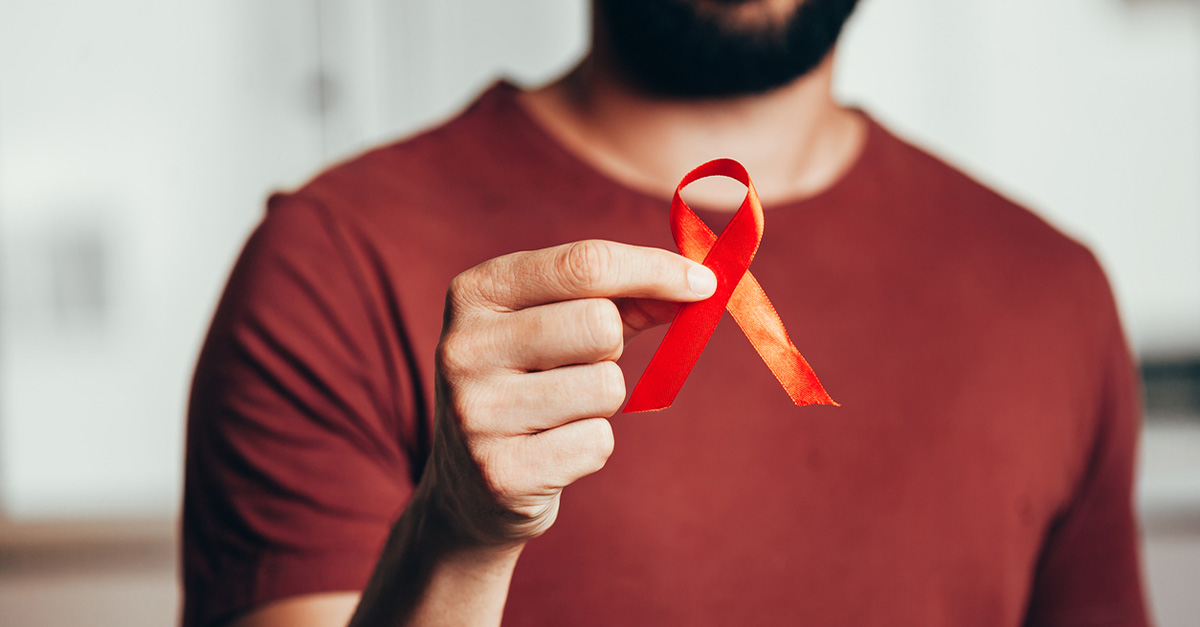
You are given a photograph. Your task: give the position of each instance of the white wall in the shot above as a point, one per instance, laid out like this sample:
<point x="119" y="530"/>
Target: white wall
<point x="396" y="67"/>
<point x="138" y="139"/>
<point x="1087" y="110"/>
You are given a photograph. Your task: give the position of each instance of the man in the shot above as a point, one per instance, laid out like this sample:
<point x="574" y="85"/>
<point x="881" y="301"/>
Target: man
<point x="392" y="401"/>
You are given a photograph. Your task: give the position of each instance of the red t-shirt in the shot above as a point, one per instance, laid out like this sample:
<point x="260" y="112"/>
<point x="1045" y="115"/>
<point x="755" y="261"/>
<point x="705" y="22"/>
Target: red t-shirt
<point x="978" y="471"/>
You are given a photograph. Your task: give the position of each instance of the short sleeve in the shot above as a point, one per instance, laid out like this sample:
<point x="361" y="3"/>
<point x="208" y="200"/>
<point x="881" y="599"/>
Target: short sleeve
<point x="297" y="460"/>
<point x="1089" y="572"/>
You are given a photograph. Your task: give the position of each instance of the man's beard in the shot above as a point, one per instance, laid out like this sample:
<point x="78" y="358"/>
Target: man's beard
<point x="674" y="48"/>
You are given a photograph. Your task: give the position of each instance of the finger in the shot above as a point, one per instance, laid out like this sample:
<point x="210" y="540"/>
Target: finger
<point x="559" y="334"/>
<point x="557" y="458"/>
<point x="586" y="269"/>
<point x="539" y="401"/>
<point x="508" y="405"/>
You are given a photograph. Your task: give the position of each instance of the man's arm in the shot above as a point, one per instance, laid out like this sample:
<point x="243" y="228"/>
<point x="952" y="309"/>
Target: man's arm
<point x="526" y="376"/>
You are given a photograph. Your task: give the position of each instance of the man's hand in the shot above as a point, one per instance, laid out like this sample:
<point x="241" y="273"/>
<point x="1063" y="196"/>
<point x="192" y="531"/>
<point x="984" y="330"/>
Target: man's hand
<point x="527" y="374"/>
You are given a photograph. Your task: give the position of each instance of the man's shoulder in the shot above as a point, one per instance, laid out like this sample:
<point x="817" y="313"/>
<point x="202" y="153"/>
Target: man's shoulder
<point x="952" y="199"/>
<point x="984" y="227"/>
<point x="422" y="169"/>
<point x="453" y="195"/>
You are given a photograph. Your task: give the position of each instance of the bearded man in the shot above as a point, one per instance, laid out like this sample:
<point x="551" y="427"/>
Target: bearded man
<point x="421" y="349"/>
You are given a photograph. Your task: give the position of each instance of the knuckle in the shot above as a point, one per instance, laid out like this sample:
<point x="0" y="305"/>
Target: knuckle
<point x="611" y="387"/>
<point x="475" y="288"/>
<point x="498" y="475"/>
<point x="455" y="356"/>
<point x="457" y="292"/>
<point x="489" y="407"/>
<point x="605" y="330"/>
<point x="602" y="441"/>
<point x="585" y="263"/>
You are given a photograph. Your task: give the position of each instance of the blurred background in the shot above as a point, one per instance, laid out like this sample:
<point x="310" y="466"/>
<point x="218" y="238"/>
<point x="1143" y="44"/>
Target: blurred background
<point x="140" y="138"/>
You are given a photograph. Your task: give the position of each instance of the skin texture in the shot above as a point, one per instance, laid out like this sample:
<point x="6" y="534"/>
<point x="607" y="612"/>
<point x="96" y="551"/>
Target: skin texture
<point x="549" y="324"/>
<point x="546" y="324"/>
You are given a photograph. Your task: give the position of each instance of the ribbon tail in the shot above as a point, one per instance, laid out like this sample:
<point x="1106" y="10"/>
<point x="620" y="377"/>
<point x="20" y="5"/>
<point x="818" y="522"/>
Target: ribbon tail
<point x="676" y="356"/>
<point x="759" y="320"/>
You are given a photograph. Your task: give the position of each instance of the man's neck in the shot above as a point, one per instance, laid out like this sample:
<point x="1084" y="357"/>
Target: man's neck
<point x="795" y="141"/>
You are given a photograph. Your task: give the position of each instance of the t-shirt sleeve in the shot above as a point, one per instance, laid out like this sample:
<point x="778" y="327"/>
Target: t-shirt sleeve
<point x="299" y="452"/>
<point x="1089" y="572"/>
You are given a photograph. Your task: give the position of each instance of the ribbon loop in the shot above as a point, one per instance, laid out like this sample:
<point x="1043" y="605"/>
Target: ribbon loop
<point x="729" y="257"/>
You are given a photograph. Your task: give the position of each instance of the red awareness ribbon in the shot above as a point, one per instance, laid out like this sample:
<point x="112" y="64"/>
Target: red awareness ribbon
<point x="729" y="257"/>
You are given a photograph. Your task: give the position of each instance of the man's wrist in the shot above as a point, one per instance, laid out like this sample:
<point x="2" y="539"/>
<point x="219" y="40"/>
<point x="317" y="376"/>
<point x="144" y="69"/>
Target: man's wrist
<point x="430" y="571"/>
<point x="458" y="536"/>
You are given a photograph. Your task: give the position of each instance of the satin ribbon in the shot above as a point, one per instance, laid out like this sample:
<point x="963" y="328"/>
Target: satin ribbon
<point x="729" y="257"/>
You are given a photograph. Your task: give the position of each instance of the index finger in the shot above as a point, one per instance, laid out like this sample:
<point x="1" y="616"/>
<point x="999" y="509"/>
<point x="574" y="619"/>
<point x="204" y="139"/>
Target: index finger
<point x="590" y="269"/>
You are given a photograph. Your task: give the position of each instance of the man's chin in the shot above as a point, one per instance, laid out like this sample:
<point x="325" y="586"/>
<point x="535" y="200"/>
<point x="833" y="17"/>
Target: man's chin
<point x="761" y="17"/>
<point x="702" y="48"/>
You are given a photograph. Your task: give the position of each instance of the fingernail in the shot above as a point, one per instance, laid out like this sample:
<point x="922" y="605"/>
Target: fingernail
<point x="701" y="280"/>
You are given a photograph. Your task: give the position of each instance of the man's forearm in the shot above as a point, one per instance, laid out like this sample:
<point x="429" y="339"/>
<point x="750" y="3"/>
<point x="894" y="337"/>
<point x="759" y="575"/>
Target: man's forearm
<point x="426" y="577"/>
<point x="526" y="375"/>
